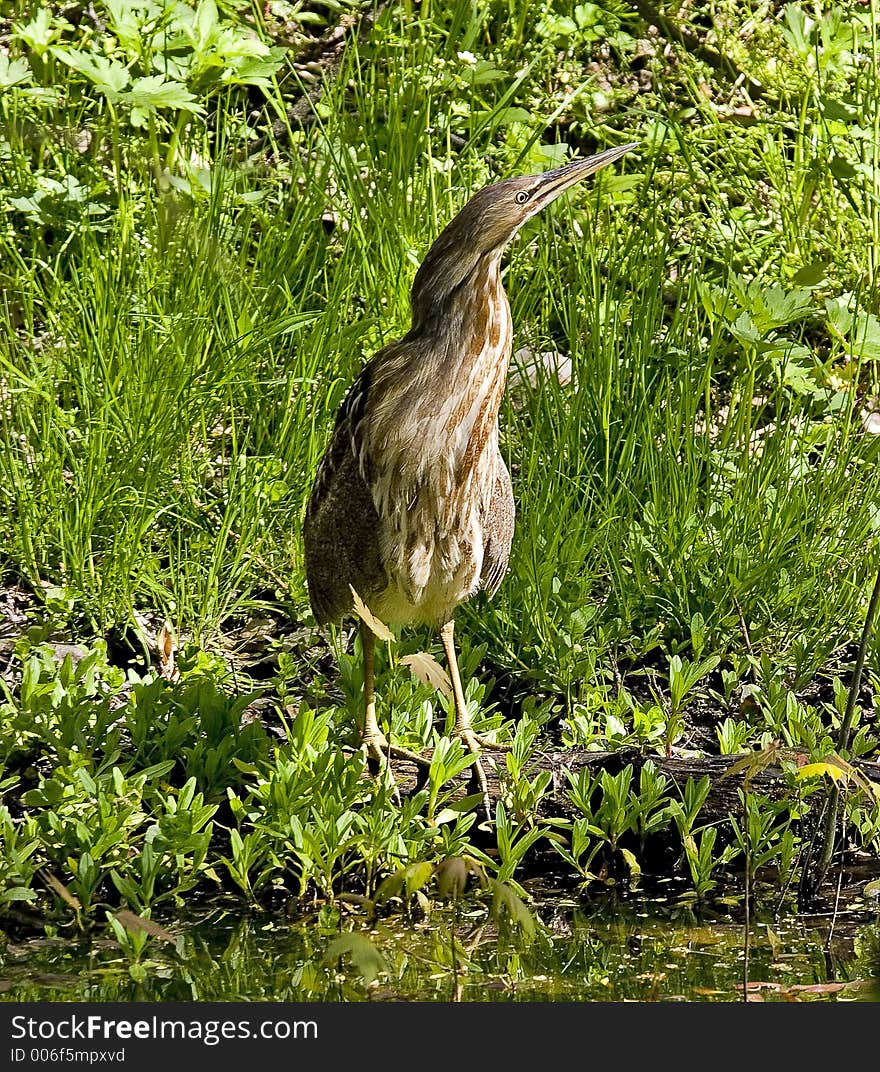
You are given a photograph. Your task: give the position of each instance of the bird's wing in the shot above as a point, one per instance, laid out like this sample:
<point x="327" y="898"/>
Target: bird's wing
<point x="498" y="531"/>
<point x="341" y="527"/>
<point x="345" y="439"/>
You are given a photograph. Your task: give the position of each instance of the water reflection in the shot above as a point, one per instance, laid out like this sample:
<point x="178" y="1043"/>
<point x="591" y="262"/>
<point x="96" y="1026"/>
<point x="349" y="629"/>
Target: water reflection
<point x="611" y="953"/>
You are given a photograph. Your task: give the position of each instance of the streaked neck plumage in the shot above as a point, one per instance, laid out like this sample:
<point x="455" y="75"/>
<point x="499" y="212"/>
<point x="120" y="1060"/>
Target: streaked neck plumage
<point x="438" y="451"/>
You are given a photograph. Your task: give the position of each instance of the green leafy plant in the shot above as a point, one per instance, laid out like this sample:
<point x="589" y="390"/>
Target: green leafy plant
<point x="683" y="677"/>
<point x="698" y="842"/>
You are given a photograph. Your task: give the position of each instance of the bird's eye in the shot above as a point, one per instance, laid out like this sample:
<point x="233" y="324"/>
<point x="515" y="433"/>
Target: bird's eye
<point x="521" y="197"/>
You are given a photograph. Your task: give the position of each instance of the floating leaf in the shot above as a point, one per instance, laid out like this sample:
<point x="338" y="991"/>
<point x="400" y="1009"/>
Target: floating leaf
<point x="364" y="955"/>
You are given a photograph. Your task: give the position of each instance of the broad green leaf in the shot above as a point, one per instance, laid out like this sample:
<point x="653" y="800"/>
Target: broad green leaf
<point x="446" y="815"/>
<point x="18" y="893"/>
<point x="865" y="335"/>
<point x="206" y="24"/>
<point x="14" y="72"/>
<point x="838" y="769"/>
<point x="153" y="91"/>
<point x="418" y="874"/>
<point x="744" y="329"/>
<point x="838" y="314"/>
<point x="252" y="70"/>
<point x="506" y="899"/>
<point x="631" y="863"/>
<point x="483" y="73"/>
<point x="814" y="770"/>
<point x="390" y="886"/>
<point x="811" y="275"/>
<point x="108" y="76"/>
<point x="127" y="23"/>
<point x="774" y="308"/>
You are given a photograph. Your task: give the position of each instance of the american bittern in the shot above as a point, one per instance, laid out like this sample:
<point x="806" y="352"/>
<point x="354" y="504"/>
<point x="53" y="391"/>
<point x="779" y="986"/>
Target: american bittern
<point x="412" y="504"/>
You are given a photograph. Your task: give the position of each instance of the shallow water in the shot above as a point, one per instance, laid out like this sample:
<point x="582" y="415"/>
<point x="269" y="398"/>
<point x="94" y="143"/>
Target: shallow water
<point x="633" y="951"/>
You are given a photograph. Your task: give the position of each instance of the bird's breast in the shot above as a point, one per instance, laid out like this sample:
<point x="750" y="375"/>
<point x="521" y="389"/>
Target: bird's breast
<point x="431" y="539"/>
<point x="432" y="474"/>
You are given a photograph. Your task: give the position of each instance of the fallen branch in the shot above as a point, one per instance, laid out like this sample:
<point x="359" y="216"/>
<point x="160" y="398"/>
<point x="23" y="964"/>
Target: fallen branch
<point x="722" y="802"/>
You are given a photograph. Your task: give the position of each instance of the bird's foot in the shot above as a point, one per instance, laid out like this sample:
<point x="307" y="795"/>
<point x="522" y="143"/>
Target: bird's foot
<point x="476" y="743"/>
<point x="378" y="751"/>
<point x="376" y="748"/>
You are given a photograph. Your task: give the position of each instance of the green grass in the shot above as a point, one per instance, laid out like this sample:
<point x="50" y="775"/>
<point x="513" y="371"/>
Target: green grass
<point x="173" y="376"/>
<point x="180" y="320"/>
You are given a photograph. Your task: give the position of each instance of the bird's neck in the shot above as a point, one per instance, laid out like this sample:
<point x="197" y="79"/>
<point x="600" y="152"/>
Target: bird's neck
<point x="436" y="393"/>
<point x="448" y="287"/>
<point x="461" y="318"/>
<point x="462" y="341"/>
<point x="431" y="445"/>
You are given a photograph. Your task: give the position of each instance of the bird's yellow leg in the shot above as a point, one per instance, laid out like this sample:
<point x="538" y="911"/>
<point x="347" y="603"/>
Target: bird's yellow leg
<point x="474" y="742"/>
<point x="463" y="728"/>
<point x="374" y="743"/>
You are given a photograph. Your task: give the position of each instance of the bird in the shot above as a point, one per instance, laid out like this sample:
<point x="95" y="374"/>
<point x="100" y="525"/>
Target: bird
<point x="411" y="507"/>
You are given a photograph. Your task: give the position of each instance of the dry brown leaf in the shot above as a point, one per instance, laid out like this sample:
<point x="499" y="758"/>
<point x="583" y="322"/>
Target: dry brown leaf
<point x="817" y="988"/>
<point x="63" y="892"/>
<point x="166" y="645"/>
<point x="133" y="922"/>
<point x="426" y="668"/>
<point x="369" y="619"/>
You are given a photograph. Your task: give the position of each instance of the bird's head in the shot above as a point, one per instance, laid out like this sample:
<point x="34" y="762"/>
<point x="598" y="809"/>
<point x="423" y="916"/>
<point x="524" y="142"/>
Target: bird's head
<point x="489" y="221"/>
<point x="495" y="213"/>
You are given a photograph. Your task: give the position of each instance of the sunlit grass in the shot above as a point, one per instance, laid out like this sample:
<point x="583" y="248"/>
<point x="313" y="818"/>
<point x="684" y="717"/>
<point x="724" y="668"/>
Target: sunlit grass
<point x="173" y="378"/>
<point x="181" y="316"/>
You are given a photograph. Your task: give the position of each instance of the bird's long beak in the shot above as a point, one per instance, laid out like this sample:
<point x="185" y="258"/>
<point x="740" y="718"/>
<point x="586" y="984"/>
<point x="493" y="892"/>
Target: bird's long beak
<point x="553" y="183"/>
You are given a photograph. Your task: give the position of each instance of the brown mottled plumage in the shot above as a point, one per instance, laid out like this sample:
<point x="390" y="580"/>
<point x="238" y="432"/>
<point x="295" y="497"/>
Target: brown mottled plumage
<point x="412" y="504"/>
